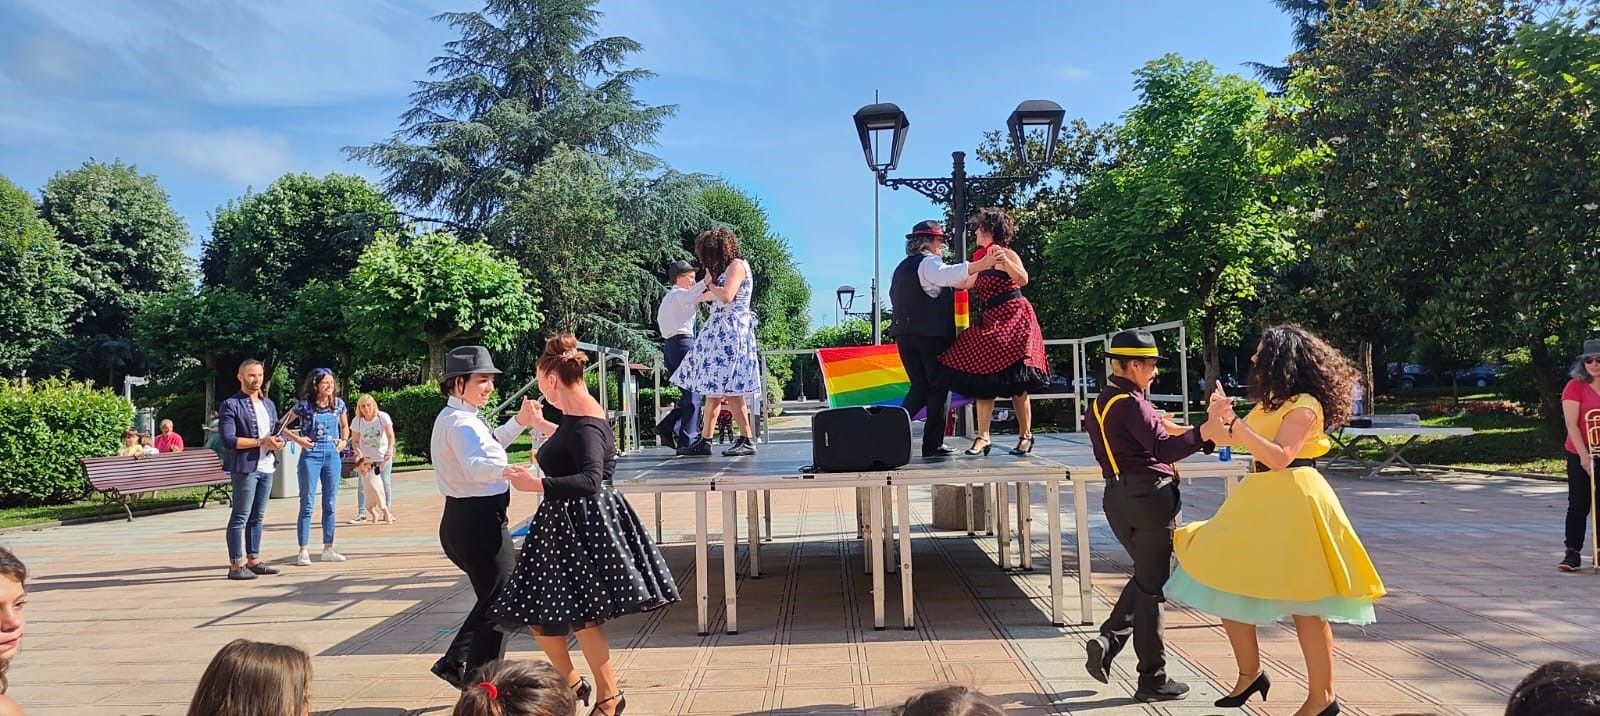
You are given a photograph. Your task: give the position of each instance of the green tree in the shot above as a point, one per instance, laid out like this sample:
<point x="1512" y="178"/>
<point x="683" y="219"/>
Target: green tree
<point x="525" y="77"/>
<point x="1308" y="17"/>
<point x="125" y="244"/>
<point x="317" y="330"/>
<point x="1183" y="224"/>
<point x="303" y="228"/>
<point x="34" y="269"/>
<point x="432" y="291"/>
<point x="208" y="325"/>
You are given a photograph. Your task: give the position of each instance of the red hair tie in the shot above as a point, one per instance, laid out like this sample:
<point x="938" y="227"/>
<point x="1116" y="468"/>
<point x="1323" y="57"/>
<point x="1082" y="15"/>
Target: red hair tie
<point x="494" y="693"/>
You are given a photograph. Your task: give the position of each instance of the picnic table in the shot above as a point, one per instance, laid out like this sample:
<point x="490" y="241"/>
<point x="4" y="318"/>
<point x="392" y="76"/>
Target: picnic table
<point x="1394" y="434"/>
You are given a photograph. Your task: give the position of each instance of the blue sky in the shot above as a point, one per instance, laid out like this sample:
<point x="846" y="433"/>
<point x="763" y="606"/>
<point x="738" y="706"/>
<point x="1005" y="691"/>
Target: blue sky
<point x="214" y="96"/>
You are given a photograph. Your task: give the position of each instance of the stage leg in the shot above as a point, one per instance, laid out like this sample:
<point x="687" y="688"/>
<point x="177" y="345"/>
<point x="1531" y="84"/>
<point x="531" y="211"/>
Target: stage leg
<point x="1229" y="483"/>
<point x="701" y="568"/>
<point x="1080" y="510"/>
<point x="1002" y="522"/>
<point x="971" y="528"/>
<point x="766" y="498"/>
<point x="988" y="510"/>
<point x="907" y="605"/>
<point x="1025" y="524"/>
<point x="1052" y="508"/>
<point x="876" y="530"/>
<point x="730" y="557"/>
<point x="864" y="522"/>
<point x="890" y="548"/>
<point x="753" y="531"/>
<point x="659" y="533"/>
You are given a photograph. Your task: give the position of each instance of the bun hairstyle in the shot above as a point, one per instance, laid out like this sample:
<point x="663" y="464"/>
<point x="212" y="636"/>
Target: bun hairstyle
<point x="524" y="688"/>
<point x="562" y="359"/>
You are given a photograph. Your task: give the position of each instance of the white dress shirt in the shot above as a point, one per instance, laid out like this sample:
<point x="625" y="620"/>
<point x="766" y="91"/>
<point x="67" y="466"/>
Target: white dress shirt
<point x="678" y="310"/>
<point x="469" y="459"/>
<point x="935" y="275"/>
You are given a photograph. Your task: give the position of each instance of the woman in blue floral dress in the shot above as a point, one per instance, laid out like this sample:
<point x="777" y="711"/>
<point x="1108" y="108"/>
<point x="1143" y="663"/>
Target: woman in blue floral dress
<point x="725" y="363"/>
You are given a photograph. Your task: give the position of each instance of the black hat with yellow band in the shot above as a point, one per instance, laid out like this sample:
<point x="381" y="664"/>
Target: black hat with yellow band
<point x="1133" y="343"/>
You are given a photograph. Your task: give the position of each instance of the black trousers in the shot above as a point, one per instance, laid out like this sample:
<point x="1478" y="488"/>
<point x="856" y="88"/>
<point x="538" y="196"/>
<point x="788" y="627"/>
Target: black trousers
<point x="1579" y="502"/>
<point x="474" y="536"/>
<point x="1142" y="510"/>
<point x="681" y="420"/>
<point x="929" y="387"/>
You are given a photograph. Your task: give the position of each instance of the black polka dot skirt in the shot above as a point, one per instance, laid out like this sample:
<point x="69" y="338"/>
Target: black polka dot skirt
<point x="585" y="560"/>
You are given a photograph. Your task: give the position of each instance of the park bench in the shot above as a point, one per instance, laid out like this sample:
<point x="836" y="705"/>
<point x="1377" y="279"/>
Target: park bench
<point x="121" y="480"/>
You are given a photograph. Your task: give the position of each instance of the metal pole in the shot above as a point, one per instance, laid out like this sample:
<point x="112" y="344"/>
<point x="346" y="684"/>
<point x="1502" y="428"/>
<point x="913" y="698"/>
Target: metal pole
<point x="1183" y="367"/>
<point x="958" y="201"/>
<point x="877" y="311"/>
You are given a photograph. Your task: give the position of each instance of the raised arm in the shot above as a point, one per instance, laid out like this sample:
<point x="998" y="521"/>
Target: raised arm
<point x="1277" y="451"/>
<point x="736" y="273"/>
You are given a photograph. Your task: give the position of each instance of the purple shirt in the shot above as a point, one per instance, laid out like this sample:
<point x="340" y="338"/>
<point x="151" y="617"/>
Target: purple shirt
<point x="1134" y="432"/>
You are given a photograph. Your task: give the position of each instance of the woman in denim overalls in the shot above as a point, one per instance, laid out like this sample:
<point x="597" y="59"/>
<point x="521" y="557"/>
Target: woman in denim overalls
<point x="324" y="431"/>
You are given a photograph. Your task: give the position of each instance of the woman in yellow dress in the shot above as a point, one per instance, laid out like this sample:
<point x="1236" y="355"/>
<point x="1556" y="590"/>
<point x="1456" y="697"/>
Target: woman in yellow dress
<point x="1280" y="546"/>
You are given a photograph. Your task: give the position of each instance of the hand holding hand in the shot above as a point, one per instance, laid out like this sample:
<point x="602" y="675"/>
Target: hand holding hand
<point x="522" y="478"/>
<point x="526" y="415"/>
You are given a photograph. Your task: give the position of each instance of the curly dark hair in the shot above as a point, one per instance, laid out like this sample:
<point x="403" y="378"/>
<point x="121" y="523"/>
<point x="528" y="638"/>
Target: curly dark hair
<point x="1559" y="687"/>
<point x="1291" y="361"/>
<point x="716" y="249"/>
<point x="997" y="222"/>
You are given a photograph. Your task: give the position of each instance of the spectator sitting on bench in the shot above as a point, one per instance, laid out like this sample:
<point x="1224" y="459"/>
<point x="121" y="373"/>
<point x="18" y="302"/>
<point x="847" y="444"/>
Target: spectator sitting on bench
<point x="169" y="440"/>
<point x="147" y="444"/>
<point x="130" y="444"/>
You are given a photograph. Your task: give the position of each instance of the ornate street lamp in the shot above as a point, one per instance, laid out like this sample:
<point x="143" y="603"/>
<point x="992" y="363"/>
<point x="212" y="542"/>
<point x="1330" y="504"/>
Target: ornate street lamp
<point x="873" y="122"/>
<point x="1030" y="114"/>
<point x="847" y="297"/>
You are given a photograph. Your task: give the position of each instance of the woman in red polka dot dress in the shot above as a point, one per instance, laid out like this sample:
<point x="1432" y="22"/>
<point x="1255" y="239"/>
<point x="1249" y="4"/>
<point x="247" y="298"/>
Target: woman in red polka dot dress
<point x="1003" y="355"/>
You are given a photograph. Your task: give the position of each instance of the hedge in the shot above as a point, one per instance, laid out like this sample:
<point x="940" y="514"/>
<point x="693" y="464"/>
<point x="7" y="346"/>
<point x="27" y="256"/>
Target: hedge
<point x="45" y="428"/>
<point x="413" y="410"/>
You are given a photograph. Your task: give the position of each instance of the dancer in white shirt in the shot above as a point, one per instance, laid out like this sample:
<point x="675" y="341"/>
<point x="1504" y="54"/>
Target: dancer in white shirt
<point x="474" y="474"/>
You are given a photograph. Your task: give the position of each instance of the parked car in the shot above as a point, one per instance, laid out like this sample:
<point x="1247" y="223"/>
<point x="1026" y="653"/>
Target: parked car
<point x="1481" y="376"/>
<point x="1063" y="384"/>
<point x="1410" y="375"/>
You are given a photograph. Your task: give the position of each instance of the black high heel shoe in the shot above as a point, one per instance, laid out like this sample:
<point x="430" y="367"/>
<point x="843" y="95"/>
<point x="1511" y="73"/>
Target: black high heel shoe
<point x="1332" y="710"/>
<point x="975" y="450"/>
<point x="583" y="691"/>
<point x="1019" y="449"/>
<point x="622" y="703"/>
<point x="1261" y="685"/>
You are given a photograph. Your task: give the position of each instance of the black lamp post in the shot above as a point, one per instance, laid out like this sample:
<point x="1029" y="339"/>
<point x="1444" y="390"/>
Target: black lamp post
<point x="880" y="125"/>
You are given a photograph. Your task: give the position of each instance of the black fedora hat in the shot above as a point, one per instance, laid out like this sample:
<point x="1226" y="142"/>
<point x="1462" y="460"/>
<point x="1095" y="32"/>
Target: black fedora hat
<point x="678" y="268"/>
<point x="466" y="360"/>
<point x="1133" y="343"/>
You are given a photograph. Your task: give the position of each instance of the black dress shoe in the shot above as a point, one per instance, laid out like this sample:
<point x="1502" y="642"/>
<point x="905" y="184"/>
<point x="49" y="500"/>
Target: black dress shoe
<point x="1170" y="691"/>
<point x="940" y="451"/>
<point x="1097" y="664"/>
<point x="700" y="447"/>
<point x="451" y="672"/>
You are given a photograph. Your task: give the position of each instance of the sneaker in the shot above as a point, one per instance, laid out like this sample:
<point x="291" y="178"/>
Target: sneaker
<point x="741" y="447"/>
<point x="329" y="555"/>
<point x="241" y="574"/>
<point x="1170" y="691"/>
<point x="1096" y="662"/>
<point x="262" y="568"/>
<point x="358" y="519"/>
<point x="1570" y="563"/>
<point x="700" y="447"/>
<point x="303" y="559"/>
<point x="664" y="437"/>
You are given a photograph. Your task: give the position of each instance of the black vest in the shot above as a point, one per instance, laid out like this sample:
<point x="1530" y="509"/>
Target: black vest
<point x="915" y="312"/>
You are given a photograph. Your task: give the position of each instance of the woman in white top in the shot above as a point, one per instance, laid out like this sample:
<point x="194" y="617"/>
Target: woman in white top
<point x="374" y="431"/>
<point x="473" y="472"/>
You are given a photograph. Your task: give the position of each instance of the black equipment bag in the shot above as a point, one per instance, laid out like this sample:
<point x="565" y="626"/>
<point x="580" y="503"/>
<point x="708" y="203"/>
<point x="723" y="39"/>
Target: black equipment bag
<point x="861" y="438"/>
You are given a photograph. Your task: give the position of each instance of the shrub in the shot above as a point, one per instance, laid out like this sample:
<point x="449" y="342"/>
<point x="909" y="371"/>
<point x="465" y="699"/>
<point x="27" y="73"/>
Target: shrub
<point x="413" y="409"/>
<point x="45" y="428"/>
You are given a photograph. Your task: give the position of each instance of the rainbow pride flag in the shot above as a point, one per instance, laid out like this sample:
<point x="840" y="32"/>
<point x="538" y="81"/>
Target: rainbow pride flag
<point x="867" y="375"/>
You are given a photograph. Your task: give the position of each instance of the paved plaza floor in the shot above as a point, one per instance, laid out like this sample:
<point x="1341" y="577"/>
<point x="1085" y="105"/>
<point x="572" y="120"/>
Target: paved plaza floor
<point x="124" y="616"/>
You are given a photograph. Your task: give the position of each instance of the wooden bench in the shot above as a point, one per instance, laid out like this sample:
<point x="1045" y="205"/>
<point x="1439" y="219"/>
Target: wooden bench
<point x="121" y="480"/>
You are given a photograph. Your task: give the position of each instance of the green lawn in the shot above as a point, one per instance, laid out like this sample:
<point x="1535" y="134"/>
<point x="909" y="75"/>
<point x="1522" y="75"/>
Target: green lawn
<point x="20" y="516"/>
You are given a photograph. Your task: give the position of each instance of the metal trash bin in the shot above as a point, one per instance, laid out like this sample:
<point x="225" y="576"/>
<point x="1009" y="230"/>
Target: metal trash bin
<point x="286" y="478"/>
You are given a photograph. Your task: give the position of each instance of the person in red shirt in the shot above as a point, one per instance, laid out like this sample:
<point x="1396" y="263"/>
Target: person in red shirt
<point x="1579" y="402"/>
<point x="169" y="440"/>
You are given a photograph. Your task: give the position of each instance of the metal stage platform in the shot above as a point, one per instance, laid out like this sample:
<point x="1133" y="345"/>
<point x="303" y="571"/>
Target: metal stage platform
<point x="780" y="465"/>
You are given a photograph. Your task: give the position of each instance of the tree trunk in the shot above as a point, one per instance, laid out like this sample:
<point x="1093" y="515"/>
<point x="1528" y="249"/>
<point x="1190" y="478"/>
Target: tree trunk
<point x="1369" y="384"/>
<point x="210" y="363"/>
<point x="436" y="351"/>
<point x="1208" y="350"/>
<point x="1546" y="376"/>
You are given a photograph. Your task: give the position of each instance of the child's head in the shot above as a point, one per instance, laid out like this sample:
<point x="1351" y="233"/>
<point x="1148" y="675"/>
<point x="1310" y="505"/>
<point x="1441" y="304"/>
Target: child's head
<point x="363" y="464"/>
<point x="516" y="688"/>
<point x="13" y="595"/>
<point x="146" y="440"/>
<point x="251" y="678"/>
<point x="949" y="701"/>
<point x="1559" y="688"/>
<point x="130" y="437"/>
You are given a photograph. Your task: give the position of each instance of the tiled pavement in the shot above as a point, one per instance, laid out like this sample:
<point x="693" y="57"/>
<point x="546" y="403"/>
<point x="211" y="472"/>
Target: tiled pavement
<point x="125" y="615"/>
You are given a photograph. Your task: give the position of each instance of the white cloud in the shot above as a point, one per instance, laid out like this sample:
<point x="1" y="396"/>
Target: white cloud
<point x="1073" y="72"/>
<point x="247" y="156"/>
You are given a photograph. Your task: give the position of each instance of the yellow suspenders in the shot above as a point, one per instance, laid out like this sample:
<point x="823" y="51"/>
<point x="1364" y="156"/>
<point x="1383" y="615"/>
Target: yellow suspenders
<point x="1100" y="419"/>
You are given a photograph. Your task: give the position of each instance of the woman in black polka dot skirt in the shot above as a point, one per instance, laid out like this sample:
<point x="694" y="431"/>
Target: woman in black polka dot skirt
<point x="587" y="558"/>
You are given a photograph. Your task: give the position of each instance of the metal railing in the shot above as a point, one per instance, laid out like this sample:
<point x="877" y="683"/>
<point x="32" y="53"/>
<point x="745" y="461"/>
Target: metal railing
<point x="626" y="418"/>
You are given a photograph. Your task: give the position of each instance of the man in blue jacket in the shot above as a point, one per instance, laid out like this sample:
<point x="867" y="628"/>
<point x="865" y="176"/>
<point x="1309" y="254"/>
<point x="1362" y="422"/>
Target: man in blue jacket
<point x="248" y="423"/>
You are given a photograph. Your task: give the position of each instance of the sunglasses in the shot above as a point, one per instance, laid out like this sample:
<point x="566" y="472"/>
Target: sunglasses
<point x="1591" y="360"/>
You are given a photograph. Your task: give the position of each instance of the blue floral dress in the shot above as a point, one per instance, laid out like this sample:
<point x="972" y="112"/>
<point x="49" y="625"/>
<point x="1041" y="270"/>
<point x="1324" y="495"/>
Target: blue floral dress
<point x="725" y="360"/>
